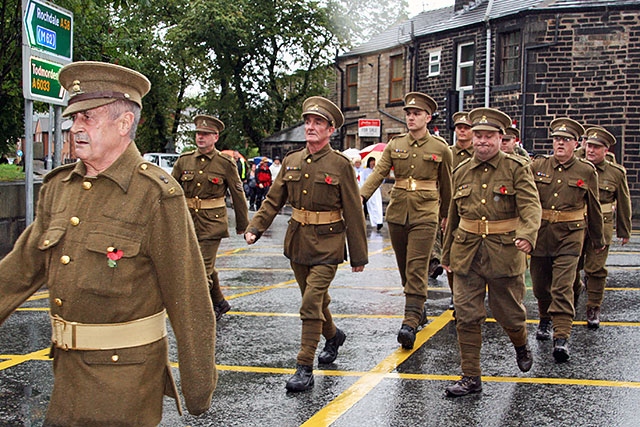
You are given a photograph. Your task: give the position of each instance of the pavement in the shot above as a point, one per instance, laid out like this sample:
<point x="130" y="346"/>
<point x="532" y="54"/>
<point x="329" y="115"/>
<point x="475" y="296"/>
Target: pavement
<point x="373" y="382"/>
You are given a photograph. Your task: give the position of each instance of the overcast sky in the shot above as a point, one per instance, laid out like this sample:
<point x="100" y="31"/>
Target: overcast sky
<point x="417" y="6"/>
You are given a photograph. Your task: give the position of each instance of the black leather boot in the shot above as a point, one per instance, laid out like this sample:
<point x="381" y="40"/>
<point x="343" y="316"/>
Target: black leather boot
<point x="330" y="350"/>
<point x="464" y="386"/>
<point x="407" y="336"/>
<point x="302" y="380"/>
<point x="523" y="357"/>
<point x="544" y="330"/>
<point x="560" y="350"/>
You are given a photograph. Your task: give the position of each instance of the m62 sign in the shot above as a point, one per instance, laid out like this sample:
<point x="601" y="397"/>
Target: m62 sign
<point x="49" y="29"/>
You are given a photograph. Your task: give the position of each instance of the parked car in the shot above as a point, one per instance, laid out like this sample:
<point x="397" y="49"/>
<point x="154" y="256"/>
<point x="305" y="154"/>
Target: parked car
<point x="164" y="160"/>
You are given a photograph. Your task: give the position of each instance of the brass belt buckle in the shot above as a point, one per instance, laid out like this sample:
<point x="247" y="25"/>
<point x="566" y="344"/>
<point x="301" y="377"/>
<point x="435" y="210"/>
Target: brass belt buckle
<point x="59" y="326"/>
<point x="412" y="184"/>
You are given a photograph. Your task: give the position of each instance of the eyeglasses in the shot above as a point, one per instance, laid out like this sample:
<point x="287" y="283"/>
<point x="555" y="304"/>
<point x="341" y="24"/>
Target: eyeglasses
<point x="562" y="138"/>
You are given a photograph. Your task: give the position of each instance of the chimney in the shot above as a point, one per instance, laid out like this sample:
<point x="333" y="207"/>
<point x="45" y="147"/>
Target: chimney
<point x="460" y="4"/>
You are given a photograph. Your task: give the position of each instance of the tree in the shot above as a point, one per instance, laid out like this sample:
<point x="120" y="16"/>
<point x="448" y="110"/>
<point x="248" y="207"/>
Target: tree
<point x="11" y="101"/>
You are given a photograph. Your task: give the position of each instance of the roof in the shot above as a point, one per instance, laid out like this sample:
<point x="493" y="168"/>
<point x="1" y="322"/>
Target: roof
<point x="447" y="19"/>
<point x="291" y="134"/>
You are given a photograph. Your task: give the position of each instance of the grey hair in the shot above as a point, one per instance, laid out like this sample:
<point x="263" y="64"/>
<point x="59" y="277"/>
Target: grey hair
<point x="117" y="108"/>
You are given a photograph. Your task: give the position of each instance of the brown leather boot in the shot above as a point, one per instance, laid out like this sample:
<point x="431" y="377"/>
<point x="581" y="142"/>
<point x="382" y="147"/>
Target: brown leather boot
<point x="593" y="317"/>
<point x="464" y="386"/>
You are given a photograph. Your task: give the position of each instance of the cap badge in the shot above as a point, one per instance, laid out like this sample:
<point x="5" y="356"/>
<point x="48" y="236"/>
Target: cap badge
<point x="562" y="127"/>
<point x="412" y="101"/>
<point x="204" y="123"/>
<point x="314" y="107"/>
<point x="76" y="88"/>
<point x="484" y="119"/>
<point x="594" y="135"/>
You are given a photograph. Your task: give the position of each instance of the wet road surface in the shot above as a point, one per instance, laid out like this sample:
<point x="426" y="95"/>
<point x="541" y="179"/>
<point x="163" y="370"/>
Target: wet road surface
<point x="373" y="382"/>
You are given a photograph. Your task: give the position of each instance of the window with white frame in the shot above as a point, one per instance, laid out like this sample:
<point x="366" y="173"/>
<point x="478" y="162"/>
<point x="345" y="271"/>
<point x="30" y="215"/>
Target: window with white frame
<point x="434" y="63"/>
<point x="465" y="67"/>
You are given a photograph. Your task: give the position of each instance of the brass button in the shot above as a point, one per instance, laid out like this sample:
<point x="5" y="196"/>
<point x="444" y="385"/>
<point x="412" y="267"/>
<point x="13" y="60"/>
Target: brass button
<point x="486" y="169"/>
<point x="111" y="249"/>
<point x="65" y="259"/>
<point x="304" y="191"/>
<point x="484" y="218"/>
<point x="58" y="302"/>
<point x="302" y="209"/>
<point x="483" y="201"/>
<point x="555" y="194"/>
<point x="172" y="190"/>
<point x="196" y="209"/>
<point x="144" y="166"/>
<point x="87" y="185"/>
<point x="47" y="242"/>
<point x="412" y="166"/>
<point x="198" y="185"/>
<point x="202" y="159"/>
<point x="559" y="181"/>
<point x="553" y="207"/>
<point x="484" y="236"/>
<point x="484" y="185"/>
<point x="306" y="175"/>
<point x="559" y="169"/>
<point x="290" y="177"/>
<point x="74" y="220"/>
<point x="200" y="172"/>
<point x="413" y="155"/>
<point x="308" y="160"/>
<point x="217" y="216"/>
<point x="115" y="358"/>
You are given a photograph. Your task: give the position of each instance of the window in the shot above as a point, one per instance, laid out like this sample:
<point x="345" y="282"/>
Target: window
<point x="396" y="85"/>
<point x="434" y="63"/>
<point x="352" y="85"/>
<point x="509" y="62"/>
<point x="464" y="76"/>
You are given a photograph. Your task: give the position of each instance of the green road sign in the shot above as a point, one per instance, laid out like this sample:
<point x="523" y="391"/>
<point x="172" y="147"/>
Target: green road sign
<point x="49" y="28"/>
<point x="43" y="83"/>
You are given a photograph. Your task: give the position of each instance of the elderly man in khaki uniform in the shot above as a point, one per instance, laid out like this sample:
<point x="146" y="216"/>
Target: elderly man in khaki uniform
<point x="419" y="201"/>
<point x="206" y="175"/>
<point x="114" y="244"/>
<point x="614" y="197"/>
<point x="568" y="189"/>
<point x="494" y="216"/>
<point x="320" y="184"/>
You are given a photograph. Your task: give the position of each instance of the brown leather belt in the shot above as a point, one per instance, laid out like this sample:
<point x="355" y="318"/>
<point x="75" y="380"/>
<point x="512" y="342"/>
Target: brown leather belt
<point x="607" y="208"/>
<point x="411" y="184"/>
<point x="478" y="226"/>
<point x="552" y="215"/>
<point x="106" y="336"/>
<point x="305" y="217"/>
<point x="198" y="203"/>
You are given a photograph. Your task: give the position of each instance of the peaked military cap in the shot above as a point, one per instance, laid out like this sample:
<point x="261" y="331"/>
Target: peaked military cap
<point x="599" y="135"/>
<point x="322" y="107"/>
<point x="93" y="84"/>
<point x="511" y="132"/>
<point x="461" y="118"/>
<point x="208" y="124"/>
<point x="489" y="119"/>
<point x="420" y="101"/>
<point x="569" y="128"/>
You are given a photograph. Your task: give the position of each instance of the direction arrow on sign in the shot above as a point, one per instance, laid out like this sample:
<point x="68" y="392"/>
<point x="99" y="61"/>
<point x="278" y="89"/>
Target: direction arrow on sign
<point x="49" y="29"/>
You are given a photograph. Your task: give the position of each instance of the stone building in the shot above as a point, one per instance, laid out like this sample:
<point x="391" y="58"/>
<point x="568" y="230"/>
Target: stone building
<point x="534" y="59"/>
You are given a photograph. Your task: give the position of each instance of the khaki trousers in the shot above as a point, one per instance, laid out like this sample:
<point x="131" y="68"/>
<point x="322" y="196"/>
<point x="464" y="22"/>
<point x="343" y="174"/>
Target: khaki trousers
<point x="209" y="251"/>
<point x="314" y="282"/>
<point x="506" y="297"/>
<point x="552" y="279"/>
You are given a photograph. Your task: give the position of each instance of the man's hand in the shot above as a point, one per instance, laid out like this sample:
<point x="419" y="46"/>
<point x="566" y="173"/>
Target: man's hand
<point x="357" y="269"/>
<point x="624" y="241"/>
<point x="600" y="250"/>
<point x="250" y="238"/>
<point x="443" y="224"/>
<point x="447" y="268"/>
<point x="523" y="245"/>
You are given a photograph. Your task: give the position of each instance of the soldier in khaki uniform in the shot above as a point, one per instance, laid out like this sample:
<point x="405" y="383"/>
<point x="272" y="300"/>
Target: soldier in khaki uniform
<point x="114" y="244"/>
<point x="568" y="189"/>
<point x="206" y="175"/>
<point x="614" y="197"/>
<point x="510" y="144"/>
<point x="419" y="202"/>
<point x="320" y="184"/>
<point x="494" y="216"/>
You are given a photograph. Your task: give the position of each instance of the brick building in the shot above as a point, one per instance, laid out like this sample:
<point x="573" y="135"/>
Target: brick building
<point x="534" y="59"/>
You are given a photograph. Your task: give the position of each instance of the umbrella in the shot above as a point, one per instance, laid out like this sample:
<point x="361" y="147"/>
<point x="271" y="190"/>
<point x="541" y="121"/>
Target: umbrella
<point x="374" y="150"/>
<point x="258" y="159"/>
<point x="351" y="153"/>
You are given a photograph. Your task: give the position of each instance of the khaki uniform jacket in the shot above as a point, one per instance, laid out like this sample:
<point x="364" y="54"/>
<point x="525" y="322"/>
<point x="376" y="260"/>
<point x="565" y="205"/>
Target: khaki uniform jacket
<point x="135" y="207"/>
<point x="426" y="159"/>
<point x="460" y="154"/>
<point x="324" y="181"/>
<point x="209" y="176"/>
<point x="499" y="189"/>
<point x="613" y="188"/>
<point x="567" y="187"/>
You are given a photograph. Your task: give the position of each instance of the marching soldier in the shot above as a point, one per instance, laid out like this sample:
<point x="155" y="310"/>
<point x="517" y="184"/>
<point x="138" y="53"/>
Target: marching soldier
<point x="614" y="197"/>
<point x="320" y="184"/>
<point x="510" y="144"/>
<point x="419" y="202"/>
<point x="113" y="242"/>
<point x="494" y="216"/>
<point x="206" y="175"/>
<point x="568" y="189"/>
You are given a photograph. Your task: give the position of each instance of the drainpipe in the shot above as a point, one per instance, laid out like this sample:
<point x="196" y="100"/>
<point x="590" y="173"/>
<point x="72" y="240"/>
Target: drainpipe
<point x="340" y="82"/>
<point x="414" y="58"/>
<point x="487" y="74"/>
<point x="525" y="79"/>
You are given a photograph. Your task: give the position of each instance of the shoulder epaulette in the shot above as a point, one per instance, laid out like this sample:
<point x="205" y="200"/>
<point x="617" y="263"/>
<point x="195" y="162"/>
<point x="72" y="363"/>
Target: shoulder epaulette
<point x="617" y="166"/>
<point x="187" y="153"/>
<point x="587" y="162"/>
<point x="167" y="184"/>
<point x="521" y="160"/>
<point x="57" y="170"/>
<point x="541" y="156"/>
<point x="441" y="139"/>
<point x="464" y="162"/>
<point x="227" y="157"/>
<point x="294" y="151"/>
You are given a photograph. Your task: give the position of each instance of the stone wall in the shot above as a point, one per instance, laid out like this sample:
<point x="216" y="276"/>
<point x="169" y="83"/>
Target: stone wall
<point x="12" y="213"/>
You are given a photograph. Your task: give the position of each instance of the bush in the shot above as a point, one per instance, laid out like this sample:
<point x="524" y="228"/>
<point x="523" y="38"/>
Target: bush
<point x="11" y="173"/>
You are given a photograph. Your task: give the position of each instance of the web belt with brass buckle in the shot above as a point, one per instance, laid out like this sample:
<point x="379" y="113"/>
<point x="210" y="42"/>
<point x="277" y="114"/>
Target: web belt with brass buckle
<point x="198" y="203"/>
<point x="107" y="336"/>
<point x="478" y="226"/>
<point x="553" y="216"/>
<point x="410" y="184"/>
<point x="305" y="217"/>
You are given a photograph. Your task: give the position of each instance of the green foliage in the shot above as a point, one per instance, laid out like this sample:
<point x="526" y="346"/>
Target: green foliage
<point x="11" y="173"/>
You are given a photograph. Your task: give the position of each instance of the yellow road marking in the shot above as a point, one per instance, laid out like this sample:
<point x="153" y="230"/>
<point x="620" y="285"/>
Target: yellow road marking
<point x="347" y="399"/>
<point x="14" y="360"/>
